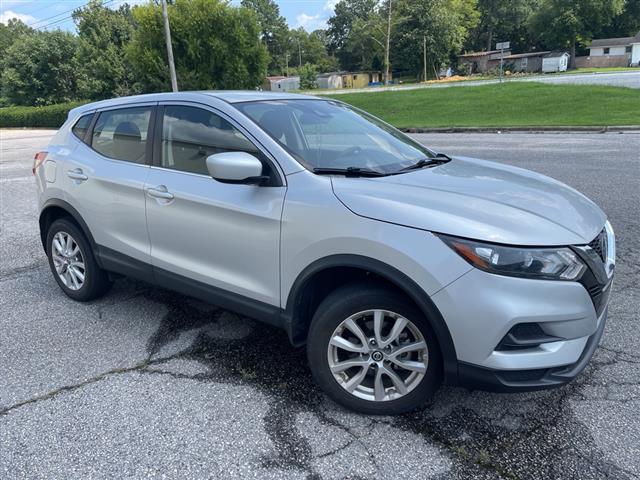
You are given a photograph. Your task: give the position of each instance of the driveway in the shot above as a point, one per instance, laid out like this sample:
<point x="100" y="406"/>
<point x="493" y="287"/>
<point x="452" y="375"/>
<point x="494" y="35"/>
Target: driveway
<point x="149" y="383"/>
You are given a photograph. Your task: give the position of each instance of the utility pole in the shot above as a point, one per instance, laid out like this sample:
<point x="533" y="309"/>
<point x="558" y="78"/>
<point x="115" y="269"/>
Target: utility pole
<point x="424" y="50"/>
<point x="167" y="37"/>
<point x="299" y="54"/>
<point x="386" y="50"/>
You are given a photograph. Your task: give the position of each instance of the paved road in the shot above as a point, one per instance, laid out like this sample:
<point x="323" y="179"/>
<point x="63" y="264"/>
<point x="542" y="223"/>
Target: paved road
<point x="147" y="383"/>
<point x="622" y="79"/>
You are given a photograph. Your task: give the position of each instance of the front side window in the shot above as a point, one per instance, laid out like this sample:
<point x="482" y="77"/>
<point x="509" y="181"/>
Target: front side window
<point x="607" y="51"/>
<point x="122" y="134"/>
<point x="191" y="134"/>
<point x="82" y="125"/>
<point x="327" y="134"/>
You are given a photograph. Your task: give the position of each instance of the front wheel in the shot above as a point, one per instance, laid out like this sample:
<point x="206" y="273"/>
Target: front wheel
<point x="373" y="351"/>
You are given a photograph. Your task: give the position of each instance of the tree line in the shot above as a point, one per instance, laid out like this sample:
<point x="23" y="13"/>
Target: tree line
<point x="220" y="46"/>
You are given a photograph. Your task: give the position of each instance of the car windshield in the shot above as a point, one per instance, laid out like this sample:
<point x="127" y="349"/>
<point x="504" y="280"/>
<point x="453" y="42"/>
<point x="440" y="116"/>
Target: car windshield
<point x="323" y="134"/>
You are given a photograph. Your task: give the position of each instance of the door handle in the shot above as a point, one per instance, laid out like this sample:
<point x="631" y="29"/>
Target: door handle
<point x="76" y="174"/>
<point x="160" y="192"/>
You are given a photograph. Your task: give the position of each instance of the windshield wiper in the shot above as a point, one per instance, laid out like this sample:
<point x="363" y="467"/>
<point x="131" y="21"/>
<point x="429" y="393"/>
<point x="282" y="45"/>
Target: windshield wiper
<point x="439" y="159"/>
<point x="349" y="172"/>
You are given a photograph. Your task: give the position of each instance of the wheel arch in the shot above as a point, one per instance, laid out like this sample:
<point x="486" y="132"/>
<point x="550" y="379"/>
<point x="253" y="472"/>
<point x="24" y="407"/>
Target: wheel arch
<point x="56" y="208"/>
<point x="326" y="274"/>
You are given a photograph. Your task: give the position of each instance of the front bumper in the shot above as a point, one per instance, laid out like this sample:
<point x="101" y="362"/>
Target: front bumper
<point x="474" y="377"/>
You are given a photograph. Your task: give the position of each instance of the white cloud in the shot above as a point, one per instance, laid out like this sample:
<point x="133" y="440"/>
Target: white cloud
<point x="311" y="22"/>
<point x="330" y="5"/>
<point x="9" y="14"/>
<point x="319" y="20"/>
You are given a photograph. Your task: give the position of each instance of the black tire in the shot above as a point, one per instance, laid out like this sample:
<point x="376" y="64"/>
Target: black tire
<point x="342" y="304"/>
<point x="96" y="281"/>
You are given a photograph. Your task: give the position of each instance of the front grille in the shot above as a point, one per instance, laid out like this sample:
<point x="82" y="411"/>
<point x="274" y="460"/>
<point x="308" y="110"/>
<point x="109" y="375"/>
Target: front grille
<point x="599" y="245"/>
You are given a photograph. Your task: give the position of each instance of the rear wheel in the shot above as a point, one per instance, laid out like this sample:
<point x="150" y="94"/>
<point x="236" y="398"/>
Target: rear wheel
<point x="373" y="351"/>
<point x="73" y="264"/>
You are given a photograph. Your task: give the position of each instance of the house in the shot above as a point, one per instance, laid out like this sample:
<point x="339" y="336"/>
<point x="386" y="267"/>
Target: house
<point x="330" y="80"/>
<point x="555" y="62"/>
<point x="526" y="62"/>
<point x="613" y="52"/>
<point x="281" y="84"/>
<point x="481" y="62"/>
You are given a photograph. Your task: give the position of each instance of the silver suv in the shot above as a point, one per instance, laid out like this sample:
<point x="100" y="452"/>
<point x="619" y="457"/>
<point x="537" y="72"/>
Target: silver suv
<point x="400" y="268"/>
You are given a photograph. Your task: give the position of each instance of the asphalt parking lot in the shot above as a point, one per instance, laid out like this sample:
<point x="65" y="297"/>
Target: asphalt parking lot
<point x="148" y="383"/>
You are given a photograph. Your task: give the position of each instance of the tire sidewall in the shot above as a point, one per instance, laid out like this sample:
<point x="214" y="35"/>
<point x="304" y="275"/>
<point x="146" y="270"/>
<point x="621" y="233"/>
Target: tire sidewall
<point x="348" y="301"/>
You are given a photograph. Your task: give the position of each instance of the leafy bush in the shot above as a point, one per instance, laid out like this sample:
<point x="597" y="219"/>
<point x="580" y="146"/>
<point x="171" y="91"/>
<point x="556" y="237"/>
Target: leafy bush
<point x="308" y="75"/>
<point x="51" y="116"/>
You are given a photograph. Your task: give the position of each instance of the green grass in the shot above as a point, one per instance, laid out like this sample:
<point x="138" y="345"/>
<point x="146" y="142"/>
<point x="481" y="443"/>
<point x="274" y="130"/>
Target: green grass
<point x="600" y="70"/>
<point x="521" y="104"/>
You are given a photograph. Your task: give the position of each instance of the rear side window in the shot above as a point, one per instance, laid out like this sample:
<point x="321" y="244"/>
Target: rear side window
<point x="82" y="125"/>
<point x="122" y="134"/>
<point x="190" y="135"/>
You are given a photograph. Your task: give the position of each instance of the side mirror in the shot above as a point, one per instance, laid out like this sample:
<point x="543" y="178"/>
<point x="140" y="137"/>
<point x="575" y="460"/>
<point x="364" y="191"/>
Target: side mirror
<point x="236" y="167"/>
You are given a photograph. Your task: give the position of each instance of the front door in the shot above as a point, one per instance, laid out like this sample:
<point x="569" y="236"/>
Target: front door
<point x="222" y="235"/>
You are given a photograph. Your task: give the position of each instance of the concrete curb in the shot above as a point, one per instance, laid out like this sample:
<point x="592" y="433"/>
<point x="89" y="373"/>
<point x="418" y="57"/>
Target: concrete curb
<point x="605" y="129"/>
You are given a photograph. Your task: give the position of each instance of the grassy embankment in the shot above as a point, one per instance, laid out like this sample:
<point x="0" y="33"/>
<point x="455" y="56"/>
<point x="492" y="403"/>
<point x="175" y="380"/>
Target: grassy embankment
<point x="521" y="104"/>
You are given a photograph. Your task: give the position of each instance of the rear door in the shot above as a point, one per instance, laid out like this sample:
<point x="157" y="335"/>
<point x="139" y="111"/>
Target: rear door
<point x="222" y="235"/>
<point x="105" y="183"/>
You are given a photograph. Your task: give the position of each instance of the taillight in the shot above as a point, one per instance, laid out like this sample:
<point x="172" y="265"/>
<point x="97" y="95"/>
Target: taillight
<point x="38" y="160"/>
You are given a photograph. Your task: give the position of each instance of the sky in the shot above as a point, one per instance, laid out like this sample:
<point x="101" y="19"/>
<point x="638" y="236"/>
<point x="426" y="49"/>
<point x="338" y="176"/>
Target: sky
<point x="52" y="14"/>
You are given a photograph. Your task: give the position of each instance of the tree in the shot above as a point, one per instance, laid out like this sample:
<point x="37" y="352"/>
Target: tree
<point x="564" y="23"/>
<point x="103" y="34"/>
<point x="310" y="48"/>
<point x="349" y="38"/>
<point x="274" y="31"/>
<point x="308" y="75"/>
<point x="440" y="25"/>
<point x="10" y="32"/>
<point x="216" y="46"/>
<point x="626" y="24"/>
<point x="502" y="20"/>
<point x="39" y="69"/>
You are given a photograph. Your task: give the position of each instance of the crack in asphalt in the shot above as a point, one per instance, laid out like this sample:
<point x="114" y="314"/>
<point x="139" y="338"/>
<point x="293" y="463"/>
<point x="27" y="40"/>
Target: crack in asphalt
<point x="70" y="388"/>
<point x="477" y="445"/>
<point x="264" y="359"/>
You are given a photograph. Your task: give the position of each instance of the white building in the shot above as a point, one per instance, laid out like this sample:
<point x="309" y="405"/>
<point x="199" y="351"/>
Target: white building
<point x="623" y="48"/>
<point x="329" y="80"/>
<point x="281" y="84"/>
<point x="555" y="62"/>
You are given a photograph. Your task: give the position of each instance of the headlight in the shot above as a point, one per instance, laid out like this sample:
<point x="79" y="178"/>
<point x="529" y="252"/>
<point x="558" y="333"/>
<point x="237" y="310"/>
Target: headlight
<point x="540" y="263"/>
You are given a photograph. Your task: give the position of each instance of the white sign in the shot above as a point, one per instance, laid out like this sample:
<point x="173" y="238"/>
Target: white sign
<point x="503" y="46"/>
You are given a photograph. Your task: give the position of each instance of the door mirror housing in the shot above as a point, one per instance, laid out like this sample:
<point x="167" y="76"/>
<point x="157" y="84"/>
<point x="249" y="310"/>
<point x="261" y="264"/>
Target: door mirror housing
<point x="236" y="167"/>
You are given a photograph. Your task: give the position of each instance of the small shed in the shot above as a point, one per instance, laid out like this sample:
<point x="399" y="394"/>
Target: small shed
<point x="330" y="80"/>
<point x="555" y="62"/>
<point x="526" y="62"/>
<point x="360" y="79"/>
<point x="281" y="84"/>
<point x="482" y="62"/>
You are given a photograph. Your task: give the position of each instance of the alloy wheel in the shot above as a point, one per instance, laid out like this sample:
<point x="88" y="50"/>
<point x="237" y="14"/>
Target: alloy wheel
<point x="68" y="260"/>
<point x="378" y="355"/>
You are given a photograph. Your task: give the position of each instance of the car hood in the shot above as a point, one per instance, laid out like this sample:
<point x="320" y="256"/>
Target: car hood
<point x="477" y="199"/>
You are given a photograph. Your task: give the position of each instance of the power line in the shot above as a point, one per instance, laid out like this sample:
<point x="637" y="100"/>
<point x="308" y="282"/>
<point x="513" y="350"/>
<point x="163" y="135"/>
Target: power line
<point x="64" y="19"/>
